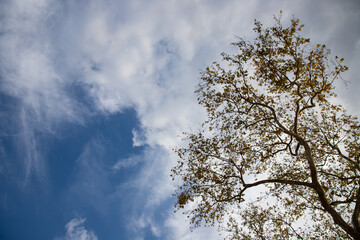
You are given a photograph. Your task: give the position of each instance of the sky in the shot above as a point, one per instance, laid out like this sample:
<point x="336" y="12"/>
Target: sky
<point x="94" y="95"/>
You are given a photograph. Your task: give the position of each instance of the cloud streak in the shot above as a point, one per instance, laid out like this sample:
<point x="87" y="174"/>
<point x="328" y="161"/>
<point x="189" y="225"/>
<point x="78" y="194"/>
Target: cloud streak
<point x="29" y="76"/>
<point x="75" y="230"/>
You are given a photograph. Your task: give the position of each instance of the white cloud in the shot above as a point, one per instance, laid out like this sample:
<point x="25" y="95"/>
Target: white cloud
<point x="151" y="57"/>
<point x="128" y="162"/>
<point x="76" y="231"/>
<point x="137" y="226"/>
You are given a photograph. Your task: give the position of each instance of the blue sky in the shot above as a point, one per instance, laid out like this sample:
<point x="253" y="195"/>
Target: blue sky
<point x="93" y="97"/>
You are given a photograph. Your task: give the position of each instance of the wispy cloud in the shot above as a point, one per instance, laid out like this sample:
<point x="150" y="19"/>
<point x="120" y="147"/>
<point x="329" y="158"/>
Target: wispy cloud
<point x="146" y="191"/>
<point x="90" y="183"/>
<point x="75" y="230"/>
<point x="29" y="76"/>
<point x="28" y="68"/>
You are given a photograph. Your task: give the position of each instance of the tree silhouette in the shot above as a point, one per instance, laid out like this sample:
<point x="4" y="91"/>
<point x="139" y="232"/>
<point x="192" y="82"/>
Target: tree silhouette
<point x="276" y="158"/>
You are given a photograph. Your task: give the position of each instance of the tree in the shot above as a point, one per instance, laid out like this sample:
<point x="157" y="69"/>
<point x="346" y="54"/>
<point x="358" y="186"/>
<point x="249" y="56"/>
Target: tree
<point x="276" y="158"/>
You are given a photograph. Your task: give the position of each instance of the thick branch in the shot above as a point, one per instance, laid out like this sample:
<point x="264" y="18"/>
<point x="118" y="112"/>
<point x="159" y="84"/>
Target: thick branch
<point x="281" y="181"/>
<point x="322" y="195"/>
<point x="355" y="218"/>
<point x="347" y="201"/>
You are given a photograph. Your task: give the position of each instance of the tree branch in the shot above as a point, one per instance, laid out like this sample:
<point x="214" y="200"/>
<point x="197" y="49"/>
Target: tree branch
<point x="355" y="217"/>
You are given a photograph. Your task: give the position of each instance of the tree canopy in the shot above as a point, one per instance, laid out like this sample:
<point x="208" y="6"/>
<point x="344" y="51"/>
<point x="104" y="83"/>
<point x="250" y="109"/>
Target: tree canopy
<point x="276" y="158"/>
